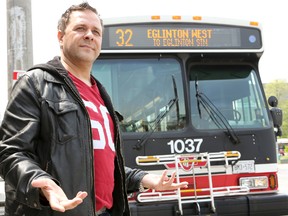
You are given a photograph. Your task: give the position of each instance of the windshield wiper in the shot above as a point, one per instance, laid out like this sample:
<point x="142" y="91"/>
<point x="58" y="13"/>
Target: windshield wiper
<point x="160" y="116"/>
<point x="176" y="98"/>
<point x="215" y="114"/>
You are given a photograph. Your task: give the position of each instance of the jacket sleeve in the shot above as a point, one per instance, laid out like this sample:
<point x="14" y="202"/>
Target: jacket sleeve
<point x="133" y="179"/>
<point x="19" y="163"/>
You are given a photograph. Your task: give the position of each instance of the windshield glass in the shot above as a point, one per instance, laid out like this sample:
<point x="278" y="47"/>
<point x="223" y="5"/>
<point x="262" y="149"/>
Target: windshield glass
<point x="232" y="90"/>
<point x="147" y="92"/>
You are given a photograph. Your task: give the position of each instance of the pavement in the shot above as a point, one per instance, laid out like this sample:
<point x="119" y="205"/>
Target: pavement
<point x="2" y="191"/>
<point x="2" y="197"/>
<point x="283" y="178"/>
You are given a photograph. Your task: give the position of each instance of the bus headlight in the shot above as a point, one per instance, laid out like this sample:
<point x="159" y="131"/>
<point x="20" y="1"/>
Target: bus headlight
<point x="258" y="182"/>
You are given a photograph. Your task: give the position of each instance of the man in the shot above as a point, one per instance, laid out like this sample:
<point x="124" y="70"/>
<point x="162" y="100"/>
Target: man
<point x="60" y="150"/>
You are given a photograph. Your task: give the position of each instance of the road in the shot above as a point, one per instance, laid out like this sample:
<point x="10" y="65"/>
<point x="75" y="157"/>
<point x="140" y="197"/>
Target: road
<point x="283" y="178"/>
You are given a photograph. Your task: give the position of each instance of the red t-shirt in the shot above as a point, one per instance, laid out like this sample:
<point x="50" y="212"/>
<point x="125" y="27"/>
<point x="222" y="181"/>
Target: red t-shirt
<point x="103" y="141"/>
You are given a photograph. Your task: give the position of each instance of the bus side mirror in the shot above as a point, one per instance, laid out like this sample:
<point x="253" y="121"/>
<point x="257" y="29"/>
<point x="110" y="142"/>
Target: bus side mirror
<point x="276" y="114"/>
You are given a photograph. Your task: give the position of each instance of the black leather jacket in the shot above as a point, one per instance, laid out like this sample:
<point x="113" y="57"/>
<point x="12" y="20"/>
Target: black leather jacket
<point x="46" y="132"/>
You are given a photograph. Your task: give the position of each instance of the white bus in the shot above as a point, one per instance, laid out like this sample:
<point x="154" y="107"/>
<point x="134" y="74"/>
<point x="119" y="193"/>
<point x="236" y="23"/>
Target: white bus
<point x="190" y="94"/>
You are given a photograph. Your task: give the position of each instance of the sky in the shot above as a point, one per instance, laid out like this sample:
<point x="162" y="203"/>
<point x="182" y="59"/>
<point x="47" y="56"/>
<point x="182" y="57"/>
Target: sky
<point x="272" y="15"/>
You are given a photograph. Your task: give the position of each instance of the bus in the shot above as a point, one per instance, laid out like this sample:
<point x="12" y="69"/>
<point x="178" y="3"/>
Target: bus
<point x="190" y="99"/>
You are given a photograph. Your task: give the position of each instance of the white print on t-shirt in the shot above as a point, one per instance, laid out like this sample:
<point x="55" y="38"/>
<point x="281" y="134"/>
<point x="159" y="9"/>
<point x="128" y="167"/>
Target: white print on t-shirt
<point x="101" y="143"/>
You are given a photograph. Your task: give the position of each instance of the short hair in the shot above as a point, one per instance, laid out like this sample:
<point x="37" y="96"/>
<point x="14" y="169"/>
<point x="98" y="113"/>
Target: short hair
<point x="64" y="20"/>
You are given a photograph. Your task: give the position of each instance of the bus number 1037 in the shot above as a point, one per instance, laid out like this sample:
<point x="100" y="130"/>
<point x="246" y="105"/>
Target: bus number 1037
<point x="185" y="146"/>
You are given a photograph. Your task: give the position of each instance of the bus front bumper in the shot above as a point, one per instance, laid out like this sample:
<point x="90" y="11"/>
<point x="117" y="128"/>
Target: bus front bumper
<point x="252" y="205"/>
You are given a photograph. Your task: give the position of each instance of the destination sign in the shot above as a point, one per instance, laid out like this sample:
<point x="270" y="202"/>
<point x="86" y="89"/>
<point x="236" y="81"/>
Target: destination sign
<point x="180" y="36"/>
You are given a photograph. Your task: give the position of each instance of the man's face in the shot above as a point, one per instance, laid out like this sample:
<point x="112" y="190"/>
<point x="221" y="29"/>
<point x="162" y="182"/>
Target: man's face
<point x="82" y="39"/>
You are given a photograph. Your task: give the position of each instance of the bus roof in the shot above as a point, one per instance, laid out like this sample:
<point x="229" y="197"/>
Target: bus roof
<point x="180" y="19"/>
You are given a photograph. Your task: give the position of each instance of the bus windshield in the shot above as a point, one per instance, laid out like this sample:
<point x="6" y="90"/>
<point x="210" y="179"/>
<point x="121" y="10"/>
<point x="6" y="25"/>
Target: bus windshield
<point x="231" y="94"/>
<point x="147" y="92"/>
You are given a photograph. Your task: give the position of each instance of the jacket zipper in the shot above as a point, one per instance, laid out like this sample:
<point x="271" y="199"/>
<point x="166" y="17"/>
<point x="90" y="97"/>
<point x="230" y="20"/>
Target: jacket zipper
<point x="79" y="100"/>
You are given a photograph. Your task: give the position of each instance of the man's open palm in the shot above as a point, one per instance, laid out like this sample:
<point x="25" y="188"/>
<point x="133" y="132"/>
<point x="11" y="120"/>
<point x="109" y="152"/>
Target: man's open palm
<point x="56" y="196"/>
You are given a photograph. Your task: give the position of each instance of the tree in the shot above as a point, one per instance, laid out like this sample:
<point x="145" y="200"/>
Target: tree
<point x="279" y="89"/>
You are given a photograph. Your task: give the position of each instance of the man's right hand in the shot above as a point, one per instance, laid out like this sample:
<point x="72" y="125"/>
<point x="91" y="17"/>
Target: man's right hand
<point x="56" y="196"/>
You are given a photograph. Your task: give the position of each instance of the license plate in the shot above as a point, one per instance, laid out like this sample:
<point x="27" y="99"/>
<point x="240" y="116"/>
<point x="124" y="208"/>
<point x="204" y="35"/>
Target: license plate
<point x="245" y="166"/>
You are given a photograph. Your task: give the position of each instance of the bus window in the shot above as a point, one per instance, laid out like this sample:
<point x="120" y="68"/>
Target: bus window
<point x="231" y="91"/>
<point x="147" y="92"/>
